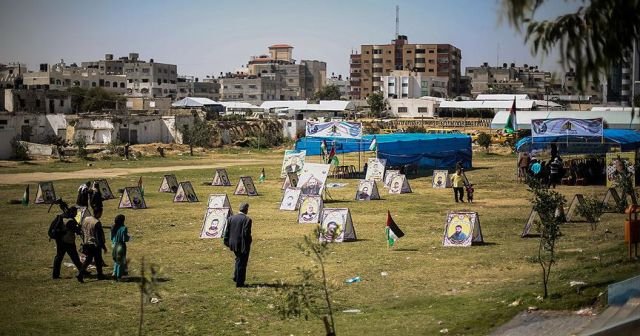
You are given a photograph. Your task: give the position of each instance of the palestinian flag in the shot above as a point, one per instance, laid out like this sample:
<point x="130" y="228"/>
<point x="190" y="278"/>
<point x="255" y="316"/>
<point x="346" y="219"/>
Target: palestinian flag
<point x="25" y="196"/>
<point x="262" y="177"/>
<point x="374" y="145"/>
<point x="393" y="231"/>
<point x="141" y="186"/>
<point x="332" y="154"/>
<point x="511" y="126"/>
<point x="334" y="161"/>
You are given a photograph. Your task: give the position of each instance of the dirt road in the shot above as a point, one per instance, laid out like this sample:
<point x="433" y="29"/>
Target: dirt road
<point x="21" y="178"/>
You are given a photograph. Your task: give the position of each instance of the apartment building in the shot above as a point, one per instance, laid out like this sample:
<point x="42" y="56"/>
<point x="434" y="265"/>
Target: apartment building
<point x="411" y="84"/>
<point x="189" y="86"/>
<point x="342" y="85"/>
<point x="251" y="89"/>
<point x="375" y="61"/>
<point x="275" y="76"/>
<point x="61" y="77"/>
<point x="622" y="77"/>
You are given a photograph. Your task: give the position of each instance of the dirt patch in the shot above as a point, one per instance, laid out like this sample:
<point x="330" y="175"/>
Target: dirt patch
<point x="21" y="178"/>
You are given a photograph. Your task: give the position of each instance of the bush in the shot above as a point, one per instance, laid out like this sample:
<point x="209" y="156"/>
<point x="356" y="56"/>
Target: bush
<point x="18" y="150"/>
<point x="81" y="143"/>
<point x="415" y="129"/>
<point x="484" y="140"/>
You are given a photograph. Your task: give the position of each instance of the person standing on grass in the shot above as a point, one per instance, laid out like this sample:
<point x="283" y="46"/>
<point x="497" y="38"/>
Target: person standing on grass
<point x="92" y="245"/>
<point x="66" y="242"/>
<point x="457" y="182"/>
<point x="554" y="172"/>
<point x="83" y="195"/>
<point x="237" y="237"/>
<point x="95" y="199"/>
<point x="119" y="239"/>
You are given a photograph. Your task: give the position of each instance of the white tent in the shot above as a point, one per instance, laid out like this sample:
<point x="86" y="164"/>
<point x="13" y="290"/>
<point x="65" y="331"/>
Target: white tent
<point x="195" y="102"/>
<point x="613" y="119"/>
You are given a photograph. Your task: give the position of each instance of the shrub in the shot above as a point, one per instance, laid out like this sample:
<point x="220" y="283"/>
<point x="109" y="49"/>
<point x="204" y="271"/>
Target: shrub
<point x="81" y="143"/>
<point x="484" y="140"/>
<point x="415" y="129"/>
<point x="18" y="150"/>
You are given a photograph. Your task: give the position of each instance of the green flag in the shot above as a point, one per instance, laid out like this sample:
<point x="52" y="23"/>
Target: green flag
<point x="25" y="196"/>
<point x="511" y="126"/>
<point x="262" y="177"/>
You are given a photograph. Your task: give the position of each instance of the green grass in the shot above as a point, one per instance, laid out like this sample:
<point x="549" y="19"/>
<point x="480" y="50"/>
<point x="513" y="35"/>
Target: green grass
<point x="428" y="287"/>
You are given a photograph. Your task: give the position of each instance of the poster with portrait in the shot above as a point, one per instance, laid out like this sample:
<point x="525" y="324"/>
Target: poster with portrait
<point x="616" y="165"/>
<point x="291" y="180"/>
<point x="104" y="188"/>
<point x="132" y="198"/>
<point x="185" y="193"/>
<point x="292" y="162"/>
<point x="388" y="176"/>
<point x="214" y="223"/>
<point x="45" y="194"/>
<point x="440" y="179"/>
<point x="367" y="190"/>
<point x="313" y="178"/>
<point x="462" y="228"/>
<point x="337" y="226"/>
<point x="221" y="179"/>
<point x="375" y="169"/>
<point x="310" y="209"/>
<point x="290" y="199"/>
<point x="246" y="187"/>
<point x="169" y="184"/>
<point x="218" y="201"/>
<point x="399" y="185"/>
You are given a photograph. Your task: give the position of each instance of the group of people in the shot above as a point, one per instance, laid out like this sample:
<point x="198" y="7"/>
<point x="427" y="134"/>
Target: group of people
<point x="92" y="236"/>
<point x="90" y="195"/>
<point x="548" y="173"/>
<point x="460" y="183"/>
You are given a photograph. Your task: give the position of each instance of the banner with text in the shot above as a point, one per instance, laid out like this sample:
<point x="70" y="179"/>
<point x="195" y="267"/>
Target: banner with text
<point x="334" y="129"/>
<point x="566" y="126"/>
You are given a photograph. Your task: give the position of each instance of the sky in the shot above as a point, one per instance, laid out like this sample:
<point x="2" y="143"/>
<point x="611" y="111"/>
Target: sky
<point x="206" y="37"/>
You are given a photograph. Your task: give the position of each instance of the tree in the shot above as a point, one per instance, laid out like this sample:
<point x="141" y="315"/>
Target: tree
<point x="81" y="143"/>
<point x="484" y="140"/>
<point x="94" y="99"/>
<point x="546" y="203"/>
<point x="197" y="135"/>
<point x="597" y="35"/>
<point x="18" y="150"/>
<point x="377" y="103"/>
<point x="312" y="296"/>
<point x="592" y="209"/>
<point x="329" y="92"/>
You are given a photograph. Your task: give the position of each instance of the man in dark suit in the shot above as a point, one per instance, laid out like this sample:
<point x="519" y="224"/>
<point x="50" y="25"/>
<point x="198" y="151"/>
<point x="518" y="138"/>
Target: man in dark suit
<point x="237" y="237"/>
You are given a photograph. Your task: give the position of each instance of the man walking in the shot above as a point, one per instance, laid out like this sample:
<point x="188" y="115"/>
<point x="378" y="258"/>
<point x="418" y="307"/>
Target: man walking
<point x="66" y="242"/>
<point x="237" y="237"/>
<point x="457" y="182"/>
<point x="92" y="246"/>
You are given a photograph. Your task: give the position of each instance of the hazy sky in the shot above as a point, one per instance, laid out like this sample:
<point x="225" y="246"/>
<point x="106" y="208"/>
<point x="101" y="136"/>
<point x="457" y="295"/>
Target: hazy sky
<point x="211" y="36"/>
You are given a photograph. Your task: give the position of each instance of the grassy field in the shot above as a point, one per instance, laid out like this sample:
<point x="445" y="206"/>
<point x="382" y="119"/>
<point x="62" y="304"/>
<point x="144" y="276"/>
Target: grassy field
<point x="428" y="287"/>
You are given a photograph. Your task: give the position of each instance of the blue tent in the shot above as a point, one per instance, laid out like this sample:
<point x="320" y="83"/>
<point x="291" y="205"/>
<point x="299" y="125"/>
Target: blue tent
<point x="626" y="139"/>
<point x="427" y="150"/>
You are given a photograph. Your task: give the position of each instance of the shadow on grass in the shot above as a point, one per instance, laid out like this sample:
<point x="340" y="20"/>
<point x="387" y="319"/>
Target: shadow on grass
<point x="336" y="201"/>
<point x="405" y="250"/>
<point x="485" y="244"/>
<point x="138" y="279"/>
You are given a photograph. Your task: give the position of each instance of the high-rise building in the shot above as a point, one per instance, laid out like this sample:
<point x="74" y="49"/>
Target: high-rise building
<point x="622" y="77"/>
<point x="375" y="61"/>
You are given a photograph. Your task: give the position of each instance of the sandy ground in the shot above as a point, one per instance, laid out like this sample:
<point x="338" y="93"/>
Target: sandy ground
<point x="21" y="178"/>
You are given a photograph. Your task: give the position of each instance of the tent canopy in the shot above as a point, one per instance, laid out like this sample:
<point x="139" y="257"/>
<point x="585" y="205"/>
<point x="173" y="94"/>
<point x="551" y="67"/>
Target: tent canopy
<point x="426" y="150"/>
<point x="624" y="138"/>
<point x="194" y="102"/>
<point x="613" y="119"/>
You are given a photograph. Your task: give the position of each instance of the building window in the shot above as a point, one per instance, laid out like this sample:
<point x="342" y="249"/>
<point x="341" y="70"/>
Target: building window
<point x="253" y="86"/>
<point x="145" y="80"/>
<point x="164" y="81"/>
<point x="61" y="102"/>
<point x="122" y="85"/>
<point x="430" y="70"/>
<point x="431" y="51"/>
<point x="405" y="84"/>
<point x="420" y="51"/>
<point x="159" y="81"/>
<point x="423" y="110"/>
<point x="402" y="109"/>
<point x="93" y="84"/>
<point x="237" y="86"/>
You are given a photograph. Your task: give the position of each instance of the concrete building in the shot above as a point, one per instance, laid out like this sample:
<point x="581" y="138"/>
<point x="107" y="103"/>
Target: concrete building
<point x="10" y="78"/>
<point x="189" y="86"/>
<point x="146" y="104"/>
<point x="37" y="101"/>
<point x="508" y="79"/>
<point x="134" y="129"/>
<point x="61" y="77"/>
<point x="621" y="79"/>
<point x="414" y="107"/>
<point x="251" y="89"/>
<point x="375" y="61"/>
<point x="31" y="127"/>
<point x="410" y="84"/>
<point x="293" y="81"/>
